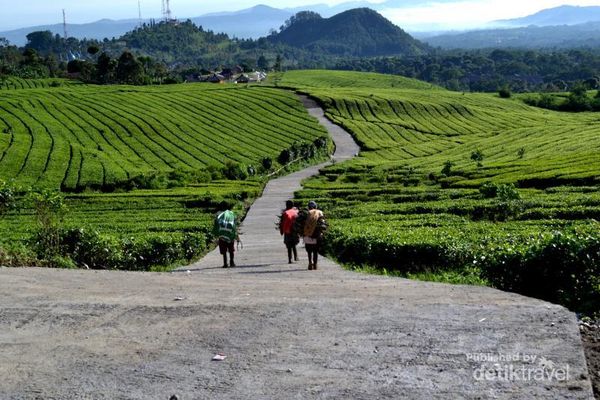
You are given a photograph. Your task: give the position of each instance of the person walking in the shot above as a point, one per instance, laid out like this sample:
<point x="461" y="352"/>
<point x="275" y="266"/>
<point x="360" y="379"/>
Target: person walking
<point x="225" y="229"/>
<point x="288" y="231"/>
<point x="314" y="226"/>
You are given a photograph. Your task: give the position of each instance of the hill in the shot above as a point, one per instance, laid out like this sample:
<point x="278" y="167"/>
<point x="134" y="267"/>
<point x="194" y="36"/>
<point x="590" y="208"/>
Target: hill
<point x="349" y="79"/>
<point x="562" y="27"/>
<point x="530" y="37"/>
<point x="563" y="15"/>
<point x="179" y="43"/>
<point x="99" y="30"/>
<point x="360" y="32"/>
<point x="253" y="22"/>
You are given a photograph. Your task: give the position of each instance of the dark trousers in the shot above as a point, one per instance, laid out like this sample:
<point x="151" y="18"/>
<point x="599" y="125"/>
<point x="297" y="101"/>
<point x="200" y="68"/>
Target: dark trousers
<point x="224" y="248"/>
<point x="313" y="253"/>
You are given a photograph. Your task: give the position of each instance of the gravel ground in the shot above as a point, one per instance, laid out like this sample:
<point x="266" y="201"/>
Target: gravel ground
<point x="590" y="334"/>
<point x="286" y="332"/>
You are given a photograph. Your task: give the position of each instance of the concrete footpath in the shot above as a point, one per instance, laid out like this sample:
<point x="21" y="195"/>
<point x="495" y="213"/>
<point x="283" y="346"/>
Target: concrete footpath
<point x="286" y="332"/>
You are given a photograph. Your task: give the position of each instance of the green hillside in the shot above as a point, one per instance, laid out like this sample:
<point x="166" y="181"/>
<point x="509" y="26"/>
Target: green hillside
<point x="359" y="32"/>
<point x="94" y="136"/>
<point x="163" y="153"/>
<point x="463" y="187"/>
<point x="20" y="83"/>
<point x="349" y="79"/>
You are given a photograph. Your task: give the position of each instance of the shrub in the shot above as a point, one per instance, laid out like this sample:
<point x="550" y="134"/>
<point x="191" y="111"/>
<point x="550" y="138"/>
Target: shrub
<point x="87" y="248"/>
<point x="90" y="249"/>
<point x="50" y="209"/>
<point x="320" y="143"/>
<point x="447" y="169"/>
<point x="234" y="171"/>
<point x="563" y="268"/>
<point x="17" y="255"/>
<point x="489" y="190"/>
<point x="266" y="163"/>
<point x="285" y="157"/>
<point x="8" y="199"/>
<point x="505" y="92"/>
<point x="477" y="156"/>
<point x="508" y="192"/>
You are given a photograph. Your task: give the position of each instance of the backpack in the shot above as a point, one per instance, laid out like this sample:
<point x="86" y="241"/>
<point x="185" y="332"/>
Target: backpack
<point x="320" y="229"/>
<point x="288" y="221"/>
<point x="313" y="223"/>
<point x="225" y="226"/>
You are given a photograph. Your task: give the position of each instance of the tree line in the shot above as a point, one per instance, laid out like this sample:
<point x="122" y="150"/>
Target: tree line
<point x="166" y="52"/>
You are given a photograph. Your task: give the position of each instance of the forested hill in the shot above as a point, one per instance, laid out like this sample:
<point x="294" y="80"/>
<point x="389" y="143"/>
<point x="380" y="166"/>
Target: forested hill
<point x="360" y="32"/>
<point x="171" y="42"/>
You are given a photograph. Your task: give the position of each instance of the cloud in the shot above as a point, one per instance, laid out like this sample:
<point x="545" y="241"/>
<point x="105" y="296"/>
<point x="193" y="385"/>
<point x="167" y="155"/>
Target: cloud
<point x="470" y="13"/>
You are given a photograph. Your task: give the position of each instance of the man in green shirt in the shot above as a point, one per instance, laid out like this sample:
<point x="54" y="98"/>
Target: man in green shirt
<point x="225" y="229"/>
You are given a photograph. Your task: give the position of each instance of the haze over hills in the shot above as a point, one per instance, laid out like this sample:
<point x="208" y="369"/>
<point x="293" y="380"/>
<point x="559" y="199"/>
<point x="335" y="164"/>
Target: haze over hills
<point x="259" y="20"/>
<point x="248" y="23"/>
<point x="530" y="37"/>
<point x="104" y="28"/>
<point x="560" y="27"/>
<point x="563" y="15"/>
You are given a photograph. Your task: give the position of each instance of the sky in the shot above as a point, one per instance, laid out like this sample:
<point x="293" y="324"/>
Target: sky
<point x="448" y="15"/>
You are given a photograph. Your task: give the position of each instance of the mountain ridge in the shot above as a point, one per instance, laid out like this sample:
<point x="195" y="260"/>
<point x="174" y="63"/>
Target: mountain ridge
<point x="259" y="20"/>
<point x="561" y="15"/>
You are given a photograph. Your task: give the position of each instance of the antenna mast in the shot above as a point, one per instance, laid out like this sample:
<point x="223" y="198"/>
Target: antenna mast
<point x="168" y="13"/>
<point x="140" y="12"/>
<point x="65" y="24"/>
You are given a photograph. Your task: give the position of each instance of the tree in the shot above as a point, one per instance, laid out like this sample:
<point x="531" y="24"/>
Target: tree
<point x="85" y="69"/>
<point x="105" y="69"/>
<point x="578" y="99"/>
<point x="93" y="50"/>
<point x="262" y="63"/>
<point x="30" y="57"/>
<point x="504" y="92"/>
<point x="301" y="16"/>
<point x="278" y="62"/>
<point x="41" y="41"/>
<point x="129" y="69"/>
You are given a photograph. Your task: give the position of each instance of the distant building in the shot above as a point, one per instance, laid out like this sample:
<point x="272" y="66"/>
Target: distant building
<point x="227" y="73"/>
<point x="193" y="78"/>
<point x="216" y="78"/>
<point x="243" y="79"/>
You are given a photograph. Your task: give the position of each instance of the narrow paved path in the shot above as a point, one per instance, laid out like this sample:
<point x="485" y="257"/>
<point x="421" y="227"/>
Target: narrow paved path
<point x="288" y="333"/>
<point x="263" y="245"/>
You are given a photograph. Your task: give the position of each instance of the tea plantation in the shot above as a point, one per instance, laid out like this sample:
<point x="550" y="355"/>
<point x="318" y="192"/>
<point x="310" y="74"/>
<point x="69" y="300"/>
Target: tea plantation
<point x="142" y="170"/>
<point x="462" y="187"/>
<point x="102" y="137"/>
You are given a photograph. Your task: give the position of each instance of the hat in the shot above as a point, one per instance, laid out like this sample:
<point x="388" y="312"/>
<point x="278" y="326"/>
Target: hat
<point x="312" y="205"/>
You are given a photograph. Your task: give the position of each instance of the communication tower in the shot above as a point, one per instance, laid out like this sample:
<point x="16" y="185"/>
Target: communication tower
<point x="65" y="25"/>
<point x="167" y="14"/>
